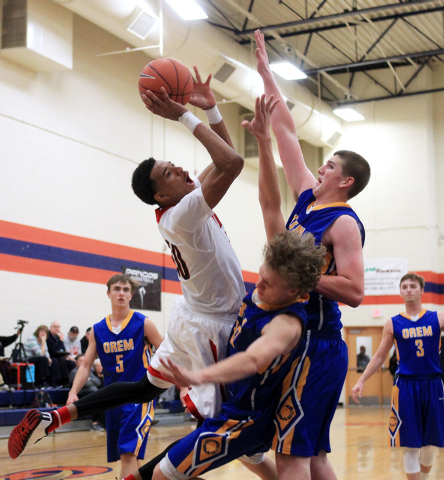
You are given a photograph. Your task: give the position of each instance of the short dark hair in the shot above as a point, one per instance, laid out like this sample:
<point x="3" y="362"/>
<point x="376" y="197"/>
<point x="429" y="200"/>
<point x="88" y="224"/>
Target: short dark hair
<point x="357" y="167"/>
<point x="143" y="186"/>
<point x="120" y="278"/>
<point x="415" y="277"/>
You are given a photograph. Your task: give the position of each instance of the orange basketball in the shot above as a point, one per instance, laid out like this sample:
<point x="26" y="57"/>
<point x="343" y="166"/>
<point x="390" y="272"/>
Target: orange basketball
<point x="170" y="74"/>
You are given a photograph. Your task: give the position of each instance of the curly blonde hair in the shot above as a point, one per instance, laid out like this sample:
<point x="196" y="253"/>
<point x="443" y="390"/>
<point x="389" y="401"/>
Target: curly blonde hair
<point x="296" y="259"/>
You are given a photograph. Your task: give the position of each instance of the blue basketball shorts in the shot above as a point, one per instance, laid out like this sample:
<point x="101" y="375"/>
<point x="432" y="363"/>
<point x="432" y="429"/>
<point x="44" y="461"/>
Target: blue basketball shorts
<point x="232" y="434"/>
<point x="310" y="396"/>
<point x="127" y="429"/>
<point x="417" y="414"/>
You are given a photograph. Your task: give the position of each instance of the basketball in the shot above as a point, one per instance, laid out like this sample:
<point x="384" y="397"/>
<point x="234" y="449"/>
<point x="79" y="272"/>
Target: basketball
<point x="170" y="74"/>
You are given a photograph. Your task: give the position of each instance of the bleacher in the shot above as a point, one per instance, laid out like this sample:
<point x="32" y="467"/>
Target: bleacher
<point x="18" y="398"/>
<point x="15" y="403"/>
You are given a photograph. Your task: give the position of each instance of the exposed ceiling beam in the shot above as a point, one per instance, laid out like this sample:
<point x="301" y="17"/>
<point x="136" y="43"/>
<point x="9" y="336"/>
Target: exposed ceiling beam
<point x="275" y="35"/>
<point x="376" y="99"/>
<point x="346" y="14"/>
<point x="337" y="26"/>
<point x="376" y="61"/>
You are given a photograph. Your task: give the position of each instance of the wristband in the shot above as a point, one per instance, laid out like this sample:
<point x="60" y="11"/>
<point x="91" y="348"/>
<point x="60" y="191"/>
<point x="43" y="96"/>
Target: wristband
<point x="190" y="121"/>
<point x="213" y="115"/>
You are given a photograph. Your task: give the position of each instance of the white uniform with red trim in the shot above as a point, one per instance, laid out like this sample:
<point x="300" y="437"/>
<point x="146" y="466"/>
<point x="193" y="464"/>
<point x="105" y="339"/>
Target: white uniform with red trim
<point x="212" y="285"/>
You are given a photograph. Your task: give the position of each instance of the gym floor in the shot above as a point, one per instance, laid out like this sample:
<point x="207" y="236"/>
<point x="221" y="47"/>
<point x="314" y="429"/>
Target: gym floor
<point x="359" y="442"/>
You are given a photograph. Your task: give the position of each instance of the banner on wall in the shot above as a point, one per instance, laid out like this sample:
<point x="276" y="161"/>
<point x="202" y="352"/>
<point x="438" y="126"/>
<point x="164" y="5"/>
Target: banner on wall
<point x="382" y="275"/>
<point x="147" y="296"/>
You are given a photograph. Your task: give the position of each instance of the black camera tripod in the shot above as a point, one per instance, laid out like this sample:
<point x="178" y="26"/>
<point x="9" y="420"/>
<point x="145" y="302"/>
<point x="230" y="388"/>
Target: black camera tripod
<point x="19" y="356"/>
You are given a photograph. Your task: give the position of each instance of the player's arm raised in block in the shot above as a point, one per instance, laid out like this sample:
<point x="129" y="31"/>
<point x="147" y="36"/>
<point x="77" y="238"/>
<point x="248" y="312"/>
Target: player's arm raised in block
<point x="298" y="176"/>
<point x="84" y="371"/>
<point x="269" y="193"/>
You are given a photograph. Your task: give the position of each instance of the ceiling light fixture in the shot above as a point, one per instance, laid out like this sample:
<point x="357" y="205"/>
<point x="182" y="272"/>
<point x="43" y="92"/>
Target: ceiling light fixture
<point x="348" y="114"/>
<point x="287" y="71"/>
<point x="187" y="9"/>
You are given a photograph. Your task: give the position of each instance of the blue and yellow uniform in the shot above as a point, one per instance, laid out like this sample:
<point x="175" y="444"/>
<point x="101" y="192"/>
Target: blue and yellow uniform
<point x="245" y="424"/>
<point x="417" y="415"/>
<point x="312" y="389"/>
<point x="125" y="357"/>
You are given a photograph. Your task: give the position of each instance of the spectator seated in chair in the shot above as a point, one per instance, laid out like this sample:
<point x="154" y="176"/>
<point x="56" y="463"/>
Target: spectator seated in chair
<point x="58" y="353"/>
<point x="36" y="351"/>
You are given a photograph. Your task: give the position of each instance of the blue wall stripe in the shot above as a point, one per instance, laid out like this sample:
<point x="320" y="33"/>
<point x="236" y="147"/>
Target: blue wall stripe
<point x="48" y="253"/>
<point x="437" y="288"/>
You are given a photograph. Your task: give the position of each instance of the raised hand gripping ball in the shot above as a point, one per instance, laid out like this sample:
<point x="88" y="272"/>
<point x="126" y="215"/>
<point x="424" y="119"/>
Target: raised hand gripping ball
<point x="171" y="74"/>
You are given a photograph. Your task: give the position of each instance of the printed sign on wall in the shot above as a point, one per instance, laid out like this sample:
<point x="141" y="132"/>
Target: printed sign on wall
<point x="147" y="296"/>
<point x="382" y="275"/>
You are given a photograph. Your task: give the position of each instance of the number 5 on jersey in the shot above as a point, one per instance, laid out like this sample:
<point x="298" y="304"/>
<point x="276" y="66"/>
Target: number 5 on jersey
<point x="119" y="361"/>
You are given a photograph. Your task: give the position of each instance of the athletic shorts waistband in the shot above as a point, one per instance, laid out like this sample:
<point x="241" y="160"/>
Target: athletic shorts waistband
<point x="420" y="378"/>
<point x="325" y="334"/>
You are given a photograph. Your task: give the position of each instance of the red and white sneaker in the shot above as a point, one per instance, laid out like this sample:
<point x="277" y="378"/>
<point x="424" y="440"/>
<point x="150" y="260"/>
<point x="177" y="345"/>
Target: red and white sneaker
<point x="31" y="429"/>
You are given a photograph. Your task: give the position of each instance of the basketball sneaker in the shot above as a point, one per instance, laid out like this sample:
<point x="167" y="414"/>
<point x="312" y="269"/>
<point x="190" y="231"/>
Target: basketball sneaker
<point x="31" y="429"/>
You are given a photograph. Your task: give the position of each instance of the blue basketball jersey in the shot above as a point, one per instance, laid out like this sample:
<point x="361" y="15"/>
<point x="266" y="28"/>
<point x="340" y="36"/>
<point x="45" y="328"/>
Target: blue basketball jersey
<point x="259" y="389"/>
<point x="322" y="313"/>
<point x="244" y="426"/>
<point x="125" y="356"/>
<point x="417" y="343"/>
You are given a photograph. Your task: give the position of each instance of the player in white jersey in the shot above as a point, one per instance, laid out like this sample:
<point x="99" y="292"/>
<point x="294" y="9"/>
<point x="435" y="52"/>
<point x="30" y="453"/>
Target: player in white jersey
<point x="208" y="269"/>
<point x="201" y="250"/>
<point x="210" y="275"/>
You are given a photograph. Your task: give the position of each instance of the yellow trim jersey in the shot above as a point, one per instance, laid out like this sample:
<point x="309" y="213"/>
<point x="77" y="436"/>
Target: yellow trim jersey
<point x="323" y="313"/>
<point x="125" y="356"/>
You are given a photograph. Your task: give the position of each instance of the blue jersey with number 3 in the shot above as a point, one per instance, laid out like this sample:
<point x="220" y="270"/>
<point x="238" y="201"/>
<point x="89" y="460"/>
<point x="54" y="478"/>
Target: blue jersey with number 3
<point x="417" y="343"/>
<point x="125" y="356"/>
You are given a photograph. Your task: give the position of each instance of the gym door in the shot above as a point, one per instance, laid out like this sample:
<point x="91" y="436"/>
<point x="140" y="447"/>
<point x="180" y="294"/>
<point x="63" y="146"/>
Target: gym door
<point x="365" y="341"/>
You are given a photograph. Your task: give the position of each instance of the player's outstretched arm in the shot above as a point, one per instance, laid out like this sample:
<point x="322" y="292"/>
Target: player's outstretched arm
<point x="298" y="176"/>
<point x="441" y="319"/>
<point x="269" y="193"/>
<point x="347" y="286"/>
<point x="84" y="371"/>
<point x="279" y="337"/>
<point x="376" y="361"/>
<point x="151" y="333"/>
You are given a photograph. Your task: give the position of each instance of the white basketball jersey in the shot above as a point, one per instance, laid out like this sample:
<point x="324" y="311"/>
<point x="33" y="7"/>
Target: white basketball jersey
<point x="209" y="271"/>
